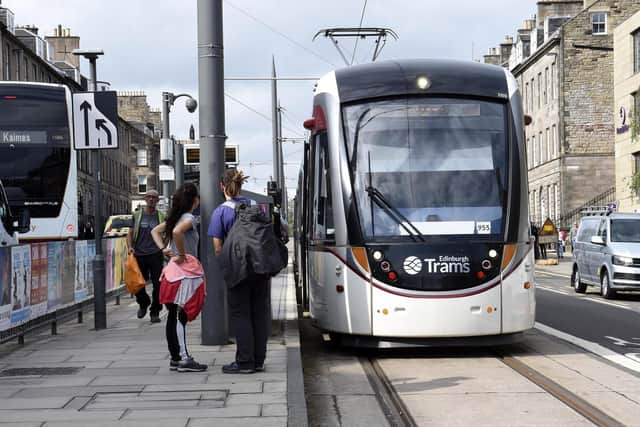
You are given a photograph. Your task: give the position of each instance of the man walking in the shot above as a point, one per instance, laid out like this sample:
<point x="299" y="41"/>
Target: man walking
<point x="147" y="254"/>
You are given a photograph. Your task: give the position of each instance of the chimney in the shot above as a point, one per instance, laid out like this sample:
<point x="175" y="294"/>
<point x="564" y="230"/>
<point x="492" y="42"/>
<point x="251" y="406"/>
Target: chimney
<point x="63" y="43"/>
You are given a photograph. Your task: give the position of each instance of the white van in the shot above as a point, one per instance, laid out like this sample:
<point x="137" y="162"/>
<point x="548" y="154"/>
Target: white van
<point x="10" y="226"/>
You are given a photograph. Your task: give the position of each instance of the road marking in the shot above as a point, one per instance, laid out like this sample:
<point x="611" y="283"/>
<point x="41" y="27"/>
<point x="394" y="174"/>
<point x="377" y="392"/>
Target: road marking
<point x="613" y="304"/>
<point x="552" y="290"/>
<point x="551" y="273"/>
<point x="599" y="301"/>
<point x="628" y="362"/>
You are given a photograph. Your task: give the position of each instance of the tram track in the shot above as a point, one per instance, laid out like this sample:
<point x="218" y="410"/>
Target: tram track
<point x="390" y="401"/>
<point x="398" y="414"/>
<point x="567" y="397"/>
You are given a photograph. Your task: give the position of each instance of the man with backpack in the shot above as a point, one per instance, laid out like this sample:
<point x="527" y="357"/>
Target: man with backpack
<point x="149" y="257"/>
<point x="244" y="239"/>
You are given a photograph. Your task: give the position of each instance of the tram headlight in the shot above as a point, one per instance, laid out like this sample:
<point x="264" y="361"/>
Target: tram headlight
<point x="423" y="83"/>
<point x="377" y="255"/>
<point x="493" y="253"/>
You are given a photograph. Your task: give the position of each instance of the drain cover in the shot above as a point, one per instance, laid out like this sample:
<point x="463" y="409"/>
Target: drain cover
<point x="20" y="372"/>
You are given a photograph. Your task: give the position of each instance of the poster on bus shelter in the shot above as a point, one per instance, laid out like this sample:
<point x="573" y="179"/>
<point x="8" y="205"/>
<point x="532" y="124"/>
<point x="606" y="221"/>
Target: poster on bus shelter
<point x="82" y="264"/>
<point x="5" y="288"/>
<point x="91" y="254"/>
<point x="39" y="279"/>
<point x="54" y="275"/>
<point x="20" y="284"/>
<point x="68" y="272"/>
<point x="115" y="250"/>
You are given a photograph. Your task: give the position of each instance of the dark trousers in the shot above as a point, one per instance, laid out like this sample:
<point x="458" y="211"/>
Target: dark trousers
<point x="151" y="268"/>
<point x="250" y="320"/>
<point x="176" y="333"/>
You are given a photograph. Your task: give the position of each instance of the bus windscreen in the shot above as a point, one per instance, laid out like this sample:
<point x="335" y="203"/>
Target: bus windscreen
<point x="35" y="148"/>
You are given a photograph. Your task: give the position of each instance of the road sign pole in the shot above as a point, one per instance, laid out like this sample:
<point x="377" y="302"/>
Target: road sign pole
<point x="212" y="138"/>
<point x="99" y="300"/>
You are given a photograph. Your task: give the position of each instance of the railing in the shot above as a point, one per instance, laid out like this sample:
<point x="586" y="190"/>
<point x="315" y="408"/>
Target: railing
<point x="573" y="216"/>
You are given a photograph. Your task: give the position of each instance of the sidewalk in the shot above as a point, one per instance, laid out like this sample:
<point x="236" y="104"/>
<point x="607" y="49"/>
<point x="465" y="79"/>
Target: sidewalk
<point x="563" y="268"/>
<point x="120" y="376"/>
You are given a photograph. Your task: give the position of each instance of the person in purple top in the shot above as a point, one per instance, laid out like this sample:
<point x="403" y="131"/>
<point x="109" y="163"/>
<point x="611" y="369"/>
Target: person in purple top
<point x="250" y="315"/>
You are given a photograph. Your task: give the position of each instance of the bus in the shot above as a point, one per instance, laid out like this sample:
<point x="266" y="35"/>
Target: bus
<point x="37" y="158"/>
<point x="412" y="219"/>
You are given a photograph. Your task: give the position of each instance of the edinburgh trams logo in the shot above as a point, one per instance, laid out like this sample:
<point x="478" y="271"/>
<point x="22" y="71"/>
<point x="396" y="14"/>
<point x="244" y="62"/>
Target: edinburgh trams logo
<point x="443" y="264"/>
<point x="412" y="265"/>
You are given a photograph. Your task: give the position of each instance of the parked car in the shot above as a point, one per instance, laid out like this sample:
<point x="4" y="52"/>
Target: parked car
<point x="607" y="254"/>
<point x="118" y="226"/>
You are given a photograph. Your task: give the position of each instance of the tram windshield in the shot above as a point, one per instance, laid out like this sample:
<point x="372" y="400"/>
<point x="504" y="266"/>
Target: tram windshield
<point x="439" y="162"/>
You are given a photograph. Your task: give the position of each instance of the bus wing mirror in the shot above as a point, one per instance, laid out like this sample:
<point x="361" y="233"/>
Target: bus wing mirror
<point x="22" y="223"/>
<point x="527" y="120"/>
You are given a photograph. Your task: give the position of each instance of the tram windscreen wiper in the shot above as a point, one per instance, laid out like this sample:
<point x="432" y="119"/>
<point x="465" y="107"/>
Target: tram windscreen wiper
<point x="378" y="198"/>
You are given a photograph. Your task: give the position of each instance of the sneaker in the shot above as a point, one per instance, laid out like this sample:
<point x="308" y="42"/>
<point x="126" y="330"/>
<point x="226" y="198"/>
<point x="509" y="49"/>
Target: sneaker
<point x="259" y="368"/>
<point x="190" y="365"/>
<point x="142" y="311"/>
<point x="155" y="318"/>
<point x="234" y="368"/>
<point x="173" y="365"/>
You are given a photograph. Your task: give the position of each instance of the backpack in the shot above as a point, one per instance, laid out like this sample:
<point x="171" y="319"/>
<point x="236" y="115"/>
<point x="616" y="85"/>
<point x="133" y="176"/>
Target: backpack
<point x="251" y="248"/>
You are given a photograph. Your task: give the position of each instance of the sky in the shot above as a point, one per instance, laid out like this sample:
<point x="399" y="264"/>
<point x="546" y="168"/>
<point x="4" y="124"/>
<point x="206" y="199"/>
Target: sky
<point x="151" y="46"/>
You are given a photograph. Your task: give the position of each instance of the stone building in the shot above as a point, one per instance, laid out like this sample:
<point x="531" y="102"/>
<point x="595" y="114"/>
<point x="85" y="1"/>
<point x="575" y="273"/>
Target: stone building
<point x="626" y="111"/>
<point x="144" y="156"/>
<point x="26" y="56"/>
<point x="566" y="82"/>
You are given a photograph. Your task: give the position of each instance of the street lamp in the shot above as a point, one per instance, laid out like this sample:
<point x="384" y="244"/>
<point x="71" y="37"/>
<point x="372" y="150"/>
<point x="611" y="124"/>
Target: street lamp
<point x="166" y="144"/>
<point x="99" y="301"/>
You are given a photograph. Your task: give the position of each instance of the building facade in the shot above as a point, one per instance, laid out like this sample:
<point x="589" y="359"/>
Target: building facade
<point x="626" y="111"/>
<point x="566" y="82"/>
<point x="26" y="56"/>
<point x="144" y="156"/>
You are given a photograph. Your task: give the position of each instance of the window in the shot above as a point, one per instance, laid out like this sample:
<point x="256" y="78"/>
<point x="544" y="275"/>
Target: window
<point x="16" y="53"/>
<point x="636" y="51"/>
<point x="529" y="153"/>
<point x="5" y="62"/>
<point x="141" y="158"/>
<point x="636" y="168"/>
<point x="26" y="69"/>
<point x="543" y="149"/>
<point x="322" y="228"/>
<point x="533" y="91"/>
<point x="554" y="136"/>
<point x="546" y="85"/>
<point x="526" y="96"/>
<point x="142" y="184"/>
<point x="539" y="88"/>
<point x="549" y="145"/>
<point x="553" y="81"/>
<point x="534" y="148"/>
<point x="556" y="194"/>
<point x="599" y="23"/>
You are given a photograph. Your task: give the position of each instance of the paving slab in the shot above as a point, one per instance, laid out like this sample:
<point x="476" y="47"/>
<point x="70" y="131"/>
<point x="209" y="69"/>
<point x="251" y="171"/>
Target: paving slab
<point x="123" y="378"/>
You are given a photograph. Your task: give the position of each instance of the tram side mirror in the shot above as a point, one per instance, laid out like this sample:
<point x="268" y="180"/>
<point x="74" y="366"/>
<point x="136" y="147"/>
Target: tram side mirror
<point x="527" y="120"/>
<point x="22" y="222"/>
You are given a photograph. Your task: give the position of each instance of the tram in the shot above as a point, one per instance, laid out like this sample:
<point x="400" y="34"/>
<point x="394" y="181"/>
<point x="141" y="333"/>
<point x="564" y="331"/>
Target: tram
<point x="411" y="216"/>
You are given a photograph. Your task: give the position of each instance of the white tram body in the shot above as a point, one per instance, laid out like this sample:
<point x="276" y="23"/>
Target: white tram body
<point x="411" y="217"/>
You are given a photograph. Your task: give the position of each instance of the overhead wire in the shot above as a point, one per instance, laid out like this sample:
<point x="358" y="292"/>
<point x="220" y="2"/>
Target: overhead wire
<point x="279" y="33"/>
<point x="359" y="27"/>
<point x="264" y="116"/>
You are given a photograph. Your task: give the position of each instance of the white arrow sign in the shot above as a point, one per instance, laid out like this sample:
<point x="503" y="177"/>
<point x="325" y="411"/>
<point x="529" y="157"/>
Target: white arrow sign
<point x="92" y="128"/>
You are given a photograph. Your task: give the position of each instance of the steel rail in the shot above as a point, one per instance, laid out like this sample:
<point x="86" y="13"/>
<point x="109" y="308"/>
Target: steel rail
<point x="390" y="401"/>
<point x="567" y="397"/>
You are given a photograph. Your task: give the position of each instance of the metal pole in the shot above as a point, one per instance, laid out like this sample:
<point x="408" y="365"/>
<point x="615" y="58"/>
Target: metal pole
<point x="179" y="163"/>
<point x="99" y="300"/>
<point x="212" y="139"/>
<point x="166" y="107"/>
<point x="281" y="182"/>
<point x="274" y="121"/>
